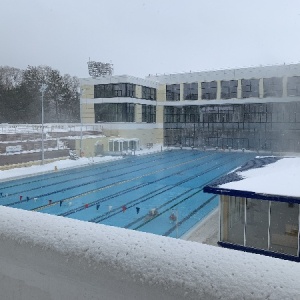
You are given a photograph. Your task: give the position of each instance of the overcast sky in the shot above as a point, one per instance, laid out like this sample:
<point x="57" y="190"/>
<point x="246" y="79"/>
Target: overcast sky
<point x="149" y="37"/>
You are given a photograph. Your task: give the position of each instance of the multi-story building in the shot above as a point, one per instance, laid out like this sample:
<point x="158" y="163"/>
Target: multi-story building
<point x="253" y="108"/>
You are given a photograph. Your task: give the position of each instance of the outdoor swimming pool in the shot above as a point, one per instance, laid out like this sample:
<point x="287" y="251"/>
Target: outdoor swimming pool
<point x="137" y="192"/>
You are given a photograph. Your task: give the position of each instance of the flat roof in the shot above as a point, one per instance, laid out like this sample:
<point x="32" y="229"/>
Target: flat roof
<point x="229" y="74"/>
<point x="266" y="178"/>
<point x="118" y="79"/>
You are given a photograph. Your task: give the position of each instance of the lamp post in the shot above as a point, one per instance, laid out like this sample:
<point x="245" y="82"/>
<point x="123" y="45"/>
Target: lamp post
<point x="42" y="90"/>
<point x="81" y="90"/>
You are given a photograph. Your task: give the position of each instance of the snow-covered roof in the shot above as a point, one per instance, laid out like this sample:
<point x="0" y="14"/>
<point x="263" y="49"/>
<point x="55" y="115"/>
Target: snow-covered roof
<point x="272" y="178"/>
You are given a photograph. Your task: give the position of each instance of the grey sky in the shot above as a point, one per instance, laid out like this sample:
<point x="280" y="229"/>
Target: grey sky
<point x="148" y="37"/>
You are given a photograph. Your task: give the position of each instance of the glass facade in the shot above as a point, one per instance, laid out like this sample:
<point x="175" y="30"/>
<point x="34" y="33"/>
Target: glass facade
<point x="148" y="93"/>
<point x="257" y="126"/>
<point x="250" y="88"/>
<point x="229" y="89"/>
<point x="114" y="90"/>
<point x="273" y="87"/>
<point x="209" y="90"/>
<point x="257" y="222"/>
<point x="232" y="220"/>
<point x="173" y="92"/>
<point x="148" y="113"/>
<point x="293" y="86"/>
<point x="260" y="224"/>
<point x="284" y="227"/>
<point x="114" y="112"/>
<point x="190" y="91"/>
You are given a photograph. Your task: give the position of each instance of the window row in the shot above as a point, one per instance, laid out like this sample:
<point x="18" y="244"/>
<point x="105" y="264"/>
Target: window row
<point x="272" y="87"/>
<point x="112" y="90"/>
<point x="114" y="112"/>
<point x="250" y="113"/>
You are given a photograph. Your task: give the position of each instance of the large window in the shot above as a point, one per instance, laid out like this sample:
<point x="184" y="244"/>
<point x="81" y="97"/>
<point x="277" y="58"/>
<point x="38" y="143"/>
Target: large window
<point x="284" y="227"/>
<point x="232" y="220"/>
<point x="209" y="90"/>
<point x="190" y="91"/>
<point x="257" y="216"/>
<point x="262" y="224"/>
<point x="114" y="112"/>
<point x="229" y="89"/>
<point x="148" y="93"/>
<point x="173" y="92"/>
<point x="250" y="88"/>
<point x="273" y="87"/>
<point x="104" y="91"/>
<point x="293" y="86"/>
<point x="114" y="90"/>
<point x="148" y="113"/>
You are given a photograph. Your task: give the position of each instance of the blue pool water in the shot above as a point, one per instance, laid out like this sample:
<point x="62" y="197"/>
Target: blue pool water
<point x="122" y="193"/>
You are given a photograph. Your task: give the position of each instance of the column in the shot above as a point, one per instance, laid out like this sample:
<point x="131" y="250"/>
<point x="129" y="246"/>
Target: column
<point x="239" y="89"/>
<point x="261" y="88"/>
<point x="284" y="86"/>
<point x="181" y="91"/>
<point x="218" y="89"/>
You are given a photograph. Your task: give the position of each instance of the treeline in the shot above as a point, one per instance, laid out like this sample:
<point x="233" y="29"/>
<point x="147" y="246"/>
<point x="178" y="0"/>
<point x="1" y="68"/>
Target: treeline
<point x="20" y="96"/>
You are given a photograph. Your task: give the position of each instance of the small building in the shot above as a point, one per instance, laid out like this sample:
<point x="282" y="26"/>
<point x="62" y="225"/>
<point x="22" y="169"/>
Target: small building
<point x="259" y="207"/>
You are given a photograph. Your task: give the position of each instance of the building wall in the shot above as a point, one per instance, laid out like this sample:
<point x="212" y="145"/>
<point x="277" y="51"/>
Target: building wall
<point x="267" y="126"/>
<point x="86" y="105"/>
<point x="261" y="118"/>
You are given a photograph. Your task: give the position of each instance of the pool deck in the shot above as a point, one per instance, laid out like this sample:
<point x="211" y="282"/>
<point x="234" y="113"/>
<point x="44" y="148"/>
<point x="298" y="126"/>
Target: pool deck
<point x="206" y="232"/>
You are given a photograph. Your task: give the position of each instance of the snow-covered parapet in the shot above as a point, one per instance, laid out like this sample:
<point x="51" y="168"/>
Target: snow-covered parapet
<point x="51" y="257"/>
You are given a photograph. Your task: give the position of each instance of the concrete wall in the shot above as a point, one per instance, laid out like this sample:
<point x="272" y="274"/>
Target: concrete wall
<point x="87" y="108"/>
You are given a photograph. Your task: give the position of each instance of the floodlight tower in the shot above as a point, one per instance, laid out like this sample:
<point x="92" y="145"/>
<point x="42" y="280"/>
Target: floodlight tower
<point x="99" y="69"/>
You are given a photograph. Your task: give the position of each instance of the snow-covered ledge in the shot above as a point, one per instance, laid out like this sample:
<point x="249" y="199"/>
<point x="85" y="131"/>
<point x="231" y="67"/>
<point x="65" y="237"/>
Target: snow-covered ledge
<point x="49" y="257"/>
